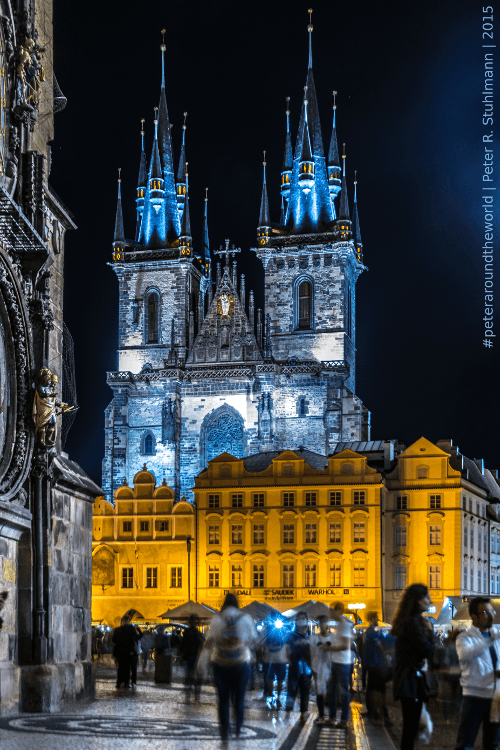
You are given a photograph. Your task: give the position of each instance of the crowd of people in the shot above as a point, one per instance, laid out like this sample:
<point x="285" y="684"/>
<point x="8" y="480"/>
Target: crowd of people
<point x="410" y="654"/>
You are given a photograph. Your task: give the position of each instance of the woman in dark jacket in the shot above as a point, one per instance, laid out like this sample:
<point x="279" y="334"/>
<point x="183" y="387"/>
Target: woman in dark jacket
<point x="414" y="643"/>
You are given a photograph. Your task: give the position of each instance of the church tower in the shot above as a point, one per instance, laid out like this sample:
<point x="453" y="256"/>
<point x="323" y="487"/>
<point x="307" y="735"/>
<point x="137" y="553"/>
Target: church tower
<point x="200" y="370"/>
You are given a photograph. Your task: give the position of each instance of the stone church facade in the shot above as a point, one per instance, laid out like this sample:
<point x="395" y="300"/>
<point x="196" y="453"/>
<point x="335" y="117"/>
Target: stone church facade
<point x="45" y="498"/>
<point x="200" y="370"/>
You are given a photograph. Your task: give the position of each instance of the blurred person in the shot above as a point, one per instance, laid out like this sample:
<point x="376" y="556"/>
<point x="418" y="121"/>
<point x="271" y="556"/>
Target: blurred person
<point x="275" y="659"/>
<point x="137" y="651"/>
<point x="375" y="661"/>
<point x="478" y="650"/>
<point x="3" y="599"/>
<point x="446" y="661"/>
<point x="124" y="638"/>
<point x="299" y="659"/>
<point x="191" y="645"/>
<point x="342" y="657"/>
<point x="415" y="642"/>
<point x="233" y="638"/>
<point x="321" y="664"/>
<point x="147" y="643"/>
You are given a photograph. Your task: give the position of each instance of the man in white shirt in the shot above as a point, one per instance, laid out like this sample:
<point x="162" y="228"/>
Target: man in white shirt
<point x="342" y="658"/>
<point x="321" y="664"/>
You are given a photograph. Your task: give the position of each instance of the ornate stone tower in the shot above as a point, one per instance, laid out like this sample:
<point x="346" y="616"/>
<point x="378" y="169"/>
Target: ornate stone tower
<point x="200" y="370"/>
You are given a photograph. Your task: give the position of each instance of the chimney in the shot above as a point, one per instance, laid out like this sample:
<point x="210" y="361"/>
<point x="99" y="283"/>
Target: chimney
<point x="388" y="454"/>
<point x="480" y="464"/>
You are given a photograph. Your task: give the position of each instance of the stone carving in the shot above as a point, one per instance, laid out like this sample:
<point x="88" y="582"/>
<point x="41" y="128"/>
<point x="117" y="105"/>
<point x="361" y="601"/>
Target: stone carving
<point x="224" y="434"/>
<point x="30" y="74"/>
<point x="225" y="305"/>
<point x="45" y="405"/>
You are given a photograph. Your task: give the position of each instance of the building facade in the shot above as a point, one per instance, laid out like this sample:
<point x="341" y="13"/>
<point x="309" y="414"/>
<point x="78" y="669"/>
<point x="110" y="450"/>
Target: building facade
<point x="143" y="553"/>
<point x="45" y="498"/>
<point x="200" y="370"/>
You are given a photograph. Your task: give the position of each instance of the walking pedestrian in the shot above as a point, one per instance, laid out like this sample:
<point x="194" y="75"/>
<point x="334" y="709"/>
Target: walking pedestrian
<point x="233" y="637"/>
<point x="299" y="670"/>
<point x="478" y="650"/>
<point x="342" y="656"/>
<point x="375" y="645"/>
<point x="124" y="639"/>
<point x="191" y="645"/>
<point x="321" y="663"/>
<point x="415" y="643"/>
<point x="276" y="659"/>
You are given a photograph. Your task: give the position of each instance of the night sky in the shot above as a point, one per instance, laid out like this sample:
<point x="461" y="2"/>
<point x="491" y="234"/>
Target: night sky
<point x="409" y="78"/>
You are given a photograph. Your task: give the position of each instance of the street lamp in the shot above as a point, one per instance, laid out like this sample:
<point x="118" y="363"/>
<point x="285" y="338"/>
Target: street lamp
<point x="355" y="607"/>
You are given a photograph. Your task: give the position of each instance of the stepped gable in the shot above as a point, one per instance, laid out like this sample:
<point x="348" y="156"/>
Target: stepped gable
<point x="226" y="335"/>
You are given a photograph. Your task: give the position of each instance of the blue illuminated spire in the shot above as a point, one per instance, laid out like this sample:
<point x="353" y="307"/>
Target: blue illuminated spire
<point x="171" y="212"/>
<point x="356" y="231"/>
<point x="119" y="236"/>
<point x="141" y="185"/>
<point x="333" y="160"/>
<point x="155" y="169"/>
<point x="153" y="219"/>
<point x="206" y="243"/>
<point x="344" y="200"/>
<point x="185" y="239"/>
<point x="286" y="173"/>
<point x="181" y="171"/>
<point x="264" y="216"/>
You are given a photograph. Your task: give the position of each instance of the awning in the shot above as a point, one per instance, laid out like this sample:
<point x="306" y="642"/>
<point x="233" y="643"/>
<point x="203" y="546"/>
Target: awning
<point x="260" y="611"/>
<point x="183" y="612"/>
<point x="313" y="609"/>
<point x="451" y="605"/>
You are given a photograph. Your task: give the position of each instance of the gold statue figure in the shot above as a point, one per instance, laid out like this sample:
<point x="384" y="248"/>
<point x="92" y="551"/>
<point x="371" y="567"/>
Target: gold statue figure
<point x="30" y="74"/>
<point x="45" y="405"/>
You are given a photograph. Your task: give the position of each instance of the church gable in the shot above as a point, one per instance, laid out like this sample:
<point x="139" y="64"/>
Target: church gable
<point x="226" y="335"/>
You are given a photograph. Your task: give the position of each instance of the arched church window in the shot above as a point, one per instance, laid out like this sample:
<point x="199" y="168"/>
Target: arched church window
<point x="148" y="446"/>
<point x="305" y="298"/>
<point x="224" y="435"/>
<point x="302" y="406"/>
<point x="152" y="310"/>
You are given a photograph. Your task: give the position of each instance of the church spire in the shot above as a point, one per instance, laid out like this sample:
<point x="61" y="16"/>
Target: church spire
<point x="334" y="183"/>
<point x="344" y="200"/>
<point x="185" y="239"/>
<point x="356" y="231"/>
<point x="181" y="171"/>
<point x="141" y="184"/>
<point x="306" y="164"/>
<point x="206" y="244"/>
<point x="119" y="235"/>
<point x="286" y="174"/>
<point x="153" y="221"/>
<point x="264" y="220"/>
<point x="310" y="30"/>
<point x="171" y="213"/>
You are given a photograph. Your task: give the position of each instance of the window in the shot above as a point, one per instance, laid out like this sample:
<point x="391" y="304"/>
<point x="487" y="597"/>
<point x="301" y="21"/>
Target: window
<point x="236" y="576"/>
<point x="258" y="533"/>
<point x="401" y="502"/>
<point x="485" y="582"/>
<point x="335" y="498"/>
<point x="479" y="540"/>
<point x="359" y="497"/>
<point x="127" y="526"/>
<point x="466" y="536"/>
<point x="347" y="468"/>
<point x="335" y="533"/>
<point x="214" y="534"/>
<point x="149" y="445"/>
<point x="471" y="586"/>
<point x="213" y="501"/>
<point x="288" y="499"/>
<point x="288" y="576"/>
<point x="472" y="537"/>
<point x="435" y="535"/>
<point x="305" y="294"/>
<point x="310" y="534"/>
<point x="258" y="576"/>
<point x="237" y="501"/>
<point x="359" y="533"/>
<point x="479" y="580"/>
<point x="258" y="500"/>
<point x="435" y="577"/>
<point x="225" y="471"/>
<point x="359" y="574"/>
<point x="152" y="318"/>
<point x="464" y="503"/>
<point x="335" y="575"/>
<point x="288" y="470"/>
<point x="400" y="577"/>
<point x="288" y="533"/>
<point x="127" y="578"/>
<point x="213" y="576"/>
<point x="144" y="525"/>
<point x="477" y="509"/>
<point x="435" y="501"/>
<point x="151" y="578"/>
<point x="422" y="472"/>
<point x="237" y="533"/>
<point x="302" y="407"/>
<point x="470" y="505"/>
<point x="175" y="578"/>
<point x="492" y="581"/>
<point x="400" y="536"/>
<point x="163" y="526"/>
<point x="485" y="543"/>
<point x="310" y="498"/>
<point x="466" y="577"/>
<point x="498" y="582"/>
<point x="310" y="574"/>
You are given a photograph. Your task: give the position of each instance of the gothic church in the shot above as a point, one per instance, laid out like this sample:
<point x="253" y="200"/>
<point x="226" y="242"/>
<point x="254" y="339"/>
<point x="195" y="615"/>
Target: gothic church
<point x="200" y="370"/>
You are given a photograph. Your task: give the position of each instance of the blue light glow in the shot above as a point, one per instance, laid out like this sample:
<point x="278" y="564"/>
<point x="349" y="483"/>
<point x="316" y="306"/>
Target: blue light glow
<point x="278" y="624"/>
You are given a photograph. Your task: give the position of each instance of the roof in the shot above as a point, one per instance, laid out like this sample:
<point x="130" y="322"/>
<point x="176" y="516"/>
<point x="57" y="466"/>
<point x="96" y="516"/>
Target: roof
<point x="261" y="461"/>
<point x="71" y="474"/>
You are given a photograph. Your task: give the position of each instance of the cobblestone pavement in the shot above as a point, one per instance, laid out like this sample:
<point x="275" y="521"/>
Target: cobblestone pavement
<point x="153" y="717"/>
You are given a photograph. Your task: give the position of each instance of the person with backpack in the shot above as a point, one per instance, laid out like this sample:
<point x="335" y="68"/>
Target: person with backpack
<point x="232" y="637"/>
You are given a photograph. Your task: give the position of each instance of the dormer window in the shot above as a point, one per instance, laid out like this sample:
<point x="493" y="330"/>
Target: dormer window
<point x="422" y="472"/>
<point x="347" y="468"/>
<point x="225" y="471"/>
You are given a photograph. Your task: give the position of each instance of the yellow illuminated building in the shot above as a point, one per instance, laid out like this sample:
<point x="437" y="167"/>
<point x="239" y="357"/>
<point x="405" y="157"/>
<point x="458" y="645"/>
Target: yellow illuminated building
<point x="287" y="527"/>
<point x="141" y="552"/>
<point x="436" y="525"/>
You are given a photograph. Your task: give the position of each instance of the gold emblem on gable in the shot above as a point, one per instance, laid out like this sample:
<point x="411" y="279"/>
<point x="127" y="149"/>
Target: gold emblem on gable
<point x="225" y="305"/>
